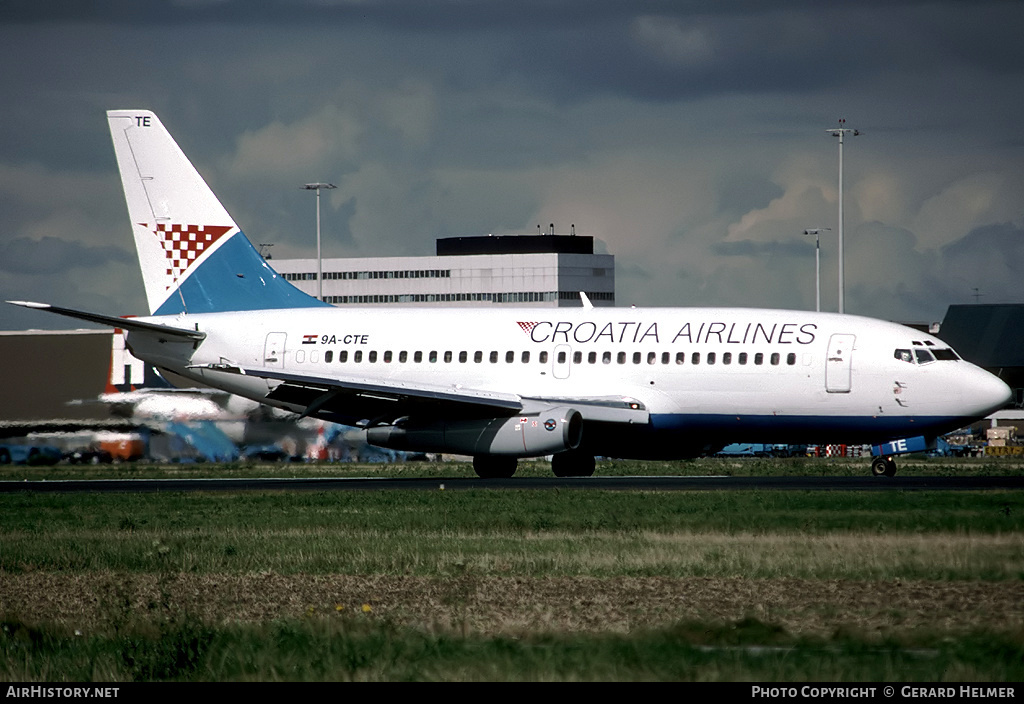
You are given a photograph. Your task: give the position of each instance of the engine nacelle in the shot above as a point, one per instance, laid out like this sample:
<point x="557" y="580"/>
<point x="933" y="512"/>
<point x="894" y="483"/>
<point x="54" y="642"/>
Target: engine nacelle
<point x="545" y="433"/>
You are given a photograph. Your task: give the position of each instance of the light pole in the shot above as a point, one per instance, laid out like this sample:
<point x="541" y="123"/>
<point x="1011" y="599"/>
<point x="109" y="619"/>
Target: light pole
<point x="319" y="262"/>
<point x="841" y="132"/>
<point x="817" y="264"/>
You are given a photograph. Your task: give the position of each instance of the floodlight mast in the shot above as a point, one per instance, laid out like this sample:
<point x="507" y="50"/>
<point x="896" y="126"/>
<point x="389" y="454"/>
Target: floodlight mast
<point x="817" y="264"/>
<point x="841" y="132"/>
<point x="319" y="260"/>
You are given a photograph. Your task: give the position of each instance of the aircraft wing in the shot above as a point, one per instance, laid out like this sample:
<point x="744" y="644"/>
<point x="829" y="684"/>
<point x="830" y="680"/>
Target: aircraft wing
<point x="363" y="402"/>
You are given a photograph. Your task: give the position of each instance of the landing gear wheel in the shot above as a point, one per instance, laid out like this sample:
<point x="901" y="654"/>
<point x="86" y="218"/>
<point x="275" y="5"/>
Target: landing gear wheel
<point x="494" y="466"/>
<point x="883" y="466"/>
<point x="573" y="464"/>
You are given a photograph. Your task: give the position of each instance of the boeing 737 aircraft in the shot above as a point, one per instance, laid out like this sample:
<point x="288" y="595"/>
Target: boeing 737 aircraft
<point x="504" y="383"/>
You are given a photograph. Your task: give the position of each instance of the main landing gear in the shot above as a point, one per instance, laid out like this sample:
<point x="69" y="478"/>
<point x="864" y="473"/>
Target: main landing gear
<point x="883" y="466"/>
<point x="494" y="466"/>
<point x="573" y="464"/>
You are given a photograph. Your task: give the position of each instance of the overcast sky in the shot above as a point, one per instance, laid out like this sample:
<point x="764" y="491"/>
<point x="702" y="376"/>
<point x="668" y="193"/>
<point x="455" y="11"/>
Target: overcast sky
<point x="689" y="138"/>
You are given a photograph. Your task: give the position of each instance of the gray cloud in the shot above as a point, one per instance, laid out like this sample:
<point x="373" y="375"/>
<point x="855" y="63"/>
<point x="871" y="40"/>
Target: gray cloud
<point x="51" y="255"/>
<point x="688" y="137"/>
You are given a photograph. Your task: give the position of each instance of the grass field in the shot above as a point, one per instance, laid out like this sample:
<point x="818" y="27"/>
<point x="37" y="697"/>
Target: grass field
<point x="523" y="585"/>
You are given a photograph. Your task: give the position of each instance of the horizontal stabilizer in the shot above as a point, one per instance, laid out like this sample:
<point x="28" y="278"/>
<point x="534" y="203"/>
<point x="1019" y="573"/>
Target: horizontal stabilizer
<point x="130" y="324"/>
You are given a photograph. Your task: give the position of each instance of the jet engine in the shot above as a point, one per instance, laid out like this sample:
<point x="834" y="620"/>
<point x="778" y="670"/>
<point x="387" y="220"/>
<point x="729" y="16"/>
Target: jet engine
<point x="544" y="433"/>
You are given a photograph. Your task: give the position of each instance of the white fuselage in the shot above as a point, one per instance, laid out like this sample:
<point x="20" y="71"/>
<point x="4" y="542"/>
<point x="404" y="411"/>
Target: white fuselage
<point x="706" y="375"/>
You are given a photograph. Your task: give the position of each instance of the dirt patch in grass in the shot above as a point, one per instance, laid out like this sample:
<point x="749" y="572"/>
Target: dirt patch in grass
<point x="509" y="605"/>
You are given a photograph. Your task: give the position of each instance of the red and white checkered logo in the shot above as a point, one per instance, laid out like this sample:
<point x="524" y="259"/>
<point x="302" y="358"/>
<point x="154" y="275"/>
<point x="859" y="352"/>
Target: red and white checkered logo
<point x="185" y="244"/>
<point x="527" y="327"/>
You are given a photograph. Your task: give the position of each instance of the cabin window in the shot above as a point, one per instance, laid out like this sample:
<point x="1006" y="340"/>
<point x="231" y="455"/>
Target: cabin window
<point x="592" y="358"/>
<point x="680" y="357"/>
<point x="543" y="358"/>
<point x="417" y="357"/>
<point x="300" y="356"/>
<point x="372" y="357"/>
<point x="577" y="357"/>
<point x="904" y="356"/>
<point x="652" y="357"/>
<point x="478" y="357"/>
<point x="695" y="358"/>
<point x="742" y="358"/>
<point x="791" y="358"/>
<point x="494" y="356"/>
<point x="357" y="357"/>
<point x="636" y="358"/>
<point x="666" y="358"/>
<point x="945" y="354"/>
<point x="621" y="358"/>
<point x="403" y="357"/>
<point x="463" y="357"/>
<point x="448" y="357"/>
<point x="387" y="357"/>
<point x="329" y="356"/>
<point x="775" y="358"/>
<point x="343" y="356"/>
<point x="561" y="357"/>
<point x="727" y="358"/>
<point x="606" y="358"/>
<point x="711" y="357"/>
<point x="759" y="358"/>
<point x="510" y="357"/>
<point x="526" y="358"/>
<point x="432" y="357"/>
<point x="924" y="356"/>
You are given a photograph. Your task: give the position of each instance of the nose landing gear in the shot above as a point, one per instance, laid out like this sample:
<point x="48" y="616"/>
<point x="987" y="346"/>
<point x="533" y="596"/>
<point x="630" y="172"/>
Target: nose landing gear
<point x="883" y="466"/>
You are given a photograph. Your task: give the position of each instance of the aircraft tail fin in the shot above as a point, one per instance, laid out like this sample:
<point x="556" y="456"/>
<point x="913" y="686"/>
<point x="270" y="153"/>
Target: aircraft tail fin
<point x="194" y="258"/>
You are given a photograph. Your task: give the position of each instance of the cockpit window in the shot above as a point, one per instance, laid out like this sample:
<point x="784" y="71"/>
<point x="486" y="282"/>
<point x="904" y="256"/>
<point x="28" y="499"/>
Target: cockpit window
<point x="904" y="356"/>
<point x="945" y="354"/>
<point x="924" y="356"/>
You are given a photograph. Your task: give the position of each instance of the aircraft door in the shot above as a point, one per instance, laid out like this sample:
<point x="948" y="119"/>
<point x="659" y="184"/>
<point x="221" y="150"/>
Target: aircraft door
<point x="273" y="351"/>
<point x="839" y="364"/>
<point x="561" y="361"/>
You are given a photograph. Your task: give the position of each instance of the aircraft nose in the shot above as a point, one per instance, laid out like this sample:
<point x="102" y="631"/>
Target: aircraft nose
<point x="989" y="393"/>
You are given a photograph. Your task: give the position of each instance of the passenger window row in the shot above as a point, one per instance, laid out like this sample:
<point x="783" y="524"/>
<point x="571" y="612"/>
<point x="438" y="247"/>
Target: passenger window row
<point x="509" y="357"/>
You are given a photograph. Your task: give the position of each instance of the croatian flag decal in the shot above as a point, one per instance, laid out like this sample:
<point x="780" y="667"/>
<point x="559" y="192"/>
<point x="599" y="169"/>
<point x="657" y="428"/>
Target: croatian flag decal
<point x="184" y="245"/>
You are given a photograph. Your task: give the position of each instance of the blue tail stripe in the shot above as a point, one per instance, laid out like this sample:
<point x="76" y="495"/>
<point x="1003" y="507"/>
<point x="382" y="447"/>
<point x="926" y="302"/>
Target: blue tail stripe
<point x="235" y="277"/>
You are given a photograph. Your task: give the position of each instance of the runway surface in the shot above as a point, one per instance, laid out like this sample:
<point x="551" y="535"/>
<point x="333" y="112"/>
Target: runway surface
<point x="866" y="483"/>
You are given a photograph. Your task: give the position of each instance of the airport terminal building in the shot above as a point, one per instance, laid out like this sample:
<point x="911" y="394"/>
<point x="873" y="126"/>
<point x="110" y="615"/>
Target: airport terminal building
<point x="529" y="270"/>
